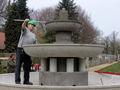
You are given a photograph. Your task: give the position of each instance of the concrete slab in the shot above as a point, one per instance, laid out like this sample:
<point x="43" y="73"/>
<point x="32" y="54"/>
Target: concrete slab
<point x="94" y="79"/>
<point x="9" y="78"/>
<point x="99" y="79"/>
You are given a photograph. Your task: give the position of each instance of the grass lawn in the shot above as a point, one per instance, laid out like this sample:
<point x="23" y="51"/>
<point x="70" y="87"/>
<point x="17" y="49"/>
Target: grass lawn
<point x="114" y="68"/>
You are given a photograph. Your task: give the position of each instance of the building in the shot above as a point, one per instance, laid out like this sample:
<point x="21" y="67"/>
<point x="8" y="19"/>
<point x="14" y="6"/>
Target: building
<point x="2" y="40"/>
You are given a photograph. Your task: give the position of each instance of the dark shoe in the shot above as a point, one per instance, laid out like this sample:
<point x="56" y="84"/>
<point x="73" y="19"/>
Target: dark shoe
<point x="28" y="83"/>
<point x="17" y="82"/>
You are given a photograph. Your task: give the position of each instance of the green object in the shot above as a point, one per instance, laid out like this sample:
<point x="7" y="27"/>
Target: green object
<point x="32" y="22"/>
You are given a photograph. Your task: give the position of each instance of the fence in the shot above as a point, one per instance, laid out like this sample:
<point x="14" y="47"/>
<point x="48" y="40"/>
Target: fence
<point x="102" y="59"/>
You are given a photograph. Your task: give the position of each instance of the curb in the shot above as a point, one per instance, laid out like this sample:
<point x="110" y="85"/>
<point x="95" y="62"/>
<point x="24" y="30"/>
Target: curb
<point x="107" y="72"/>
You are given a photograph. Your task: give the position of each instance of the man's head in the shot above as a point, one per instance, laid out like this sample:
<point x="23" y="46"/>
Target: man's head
<point x="31" y="25"/>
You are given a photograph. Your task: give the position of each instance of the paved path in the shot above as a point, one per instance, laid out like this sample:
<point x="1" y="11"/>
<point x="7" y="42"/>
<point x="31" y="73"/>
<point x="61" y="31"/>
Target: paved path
<point x="95" y="68"/>
<point x="9" y="78"/>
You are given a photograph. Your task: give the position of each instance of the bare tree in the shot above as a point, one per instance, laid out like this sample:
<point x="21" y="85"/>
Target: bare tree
<point x="106" y="41"/>
<point x="3" y="4"/>
<point x="89" y="32"/>
<point x="114" y="42"/>
<point x="44" y="14"/>
<point x="118" y="46"/>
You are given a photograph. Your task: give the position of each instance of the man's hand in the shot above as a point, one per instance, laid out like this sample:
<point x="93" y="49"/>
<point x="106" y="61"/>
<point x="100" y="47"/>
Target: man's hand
<point x="26" y="20"/>
<point x="24" y="23"/>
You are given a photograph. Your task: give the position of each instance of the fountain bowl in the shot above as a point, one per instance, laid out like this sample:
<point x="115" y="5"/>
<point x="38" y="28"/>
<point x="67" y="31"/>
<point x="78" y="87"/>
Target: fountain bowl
<point x="67" y="25"/>
<point x="63" y="50"/>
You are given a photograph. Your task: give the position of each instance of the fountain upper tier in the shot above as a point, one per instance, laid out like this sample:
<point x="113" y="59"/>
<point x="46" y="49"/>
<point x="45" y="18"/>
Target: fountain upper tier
<point x="63" y="23"/>
<point x="66" y="25"/>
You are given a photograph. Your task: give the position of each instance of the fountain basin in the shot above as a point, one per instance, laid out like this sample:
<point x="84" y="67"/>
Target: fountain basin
<point x="63" y="25"/>
<point x="63" y="50"/>
<point x="36" y="87"/>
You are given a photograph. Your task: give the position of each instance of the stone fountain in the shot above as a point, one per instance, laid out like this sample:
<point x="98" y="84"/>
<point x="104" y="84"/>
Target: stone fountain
<point x="63" y="62"/>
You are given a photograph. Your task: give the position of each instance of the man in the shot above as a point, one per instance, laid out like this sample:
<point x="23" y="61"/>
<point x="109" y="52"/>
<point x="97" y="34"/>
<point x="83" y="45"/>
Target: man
<point x="27" y="37"/>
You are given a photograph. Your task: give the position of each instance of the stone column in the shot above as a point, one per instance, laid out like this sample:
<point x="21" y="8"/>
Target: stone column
<point x="83" y="64"/>
<point x="53" y="65"/>
<point x="63" y="37"/>
<point x="70" y="65"/>
<point x="43" y="64"/>
<point x="61" y="64"/>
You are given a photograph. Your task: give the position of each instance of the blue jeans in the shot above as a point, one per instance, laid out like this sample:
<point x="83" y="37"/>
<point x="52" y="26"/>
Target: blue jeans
<point x="22" y="59"/>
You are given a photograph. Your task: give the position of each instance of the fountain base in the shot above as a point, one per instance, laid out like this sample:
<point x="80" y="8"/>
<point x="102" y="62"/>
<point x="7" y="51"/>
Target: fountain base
<point x="63" y="78"/>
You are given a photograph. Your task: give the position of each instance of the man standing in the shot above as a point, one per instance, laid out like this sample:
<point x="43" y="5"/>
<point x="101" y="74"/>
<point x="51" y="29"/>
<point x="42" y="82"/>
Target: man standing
<point x="27" y="37"/>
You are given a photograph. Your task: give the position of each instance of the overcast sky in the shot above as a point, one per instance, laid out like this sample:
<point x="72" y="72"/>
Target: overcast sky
<point x="105" y="14"/>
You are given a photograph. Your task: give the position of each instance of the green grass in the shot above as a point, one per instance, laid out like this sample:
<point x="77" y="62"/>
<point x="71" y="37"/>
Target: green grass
<point x="2" y="69"/>
<point x="114" y="68"/>
<point x="2" y="55"/>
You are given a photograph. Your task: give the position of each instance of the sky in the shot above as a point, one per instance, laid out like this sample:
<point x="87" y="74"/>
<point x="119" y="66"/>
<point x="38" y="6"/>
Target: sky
<point x="105" y="14"/>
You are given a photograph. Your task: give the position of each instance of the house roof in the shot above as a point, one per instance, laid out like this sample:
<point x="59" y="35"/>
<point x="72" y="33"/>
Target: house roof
<point x="2" y="40"/>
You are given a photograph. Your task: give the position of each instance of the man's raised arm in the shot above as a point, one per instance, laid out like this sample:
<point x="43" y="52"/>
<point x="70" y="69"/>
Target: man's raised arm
<point x="24" y="24"/>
